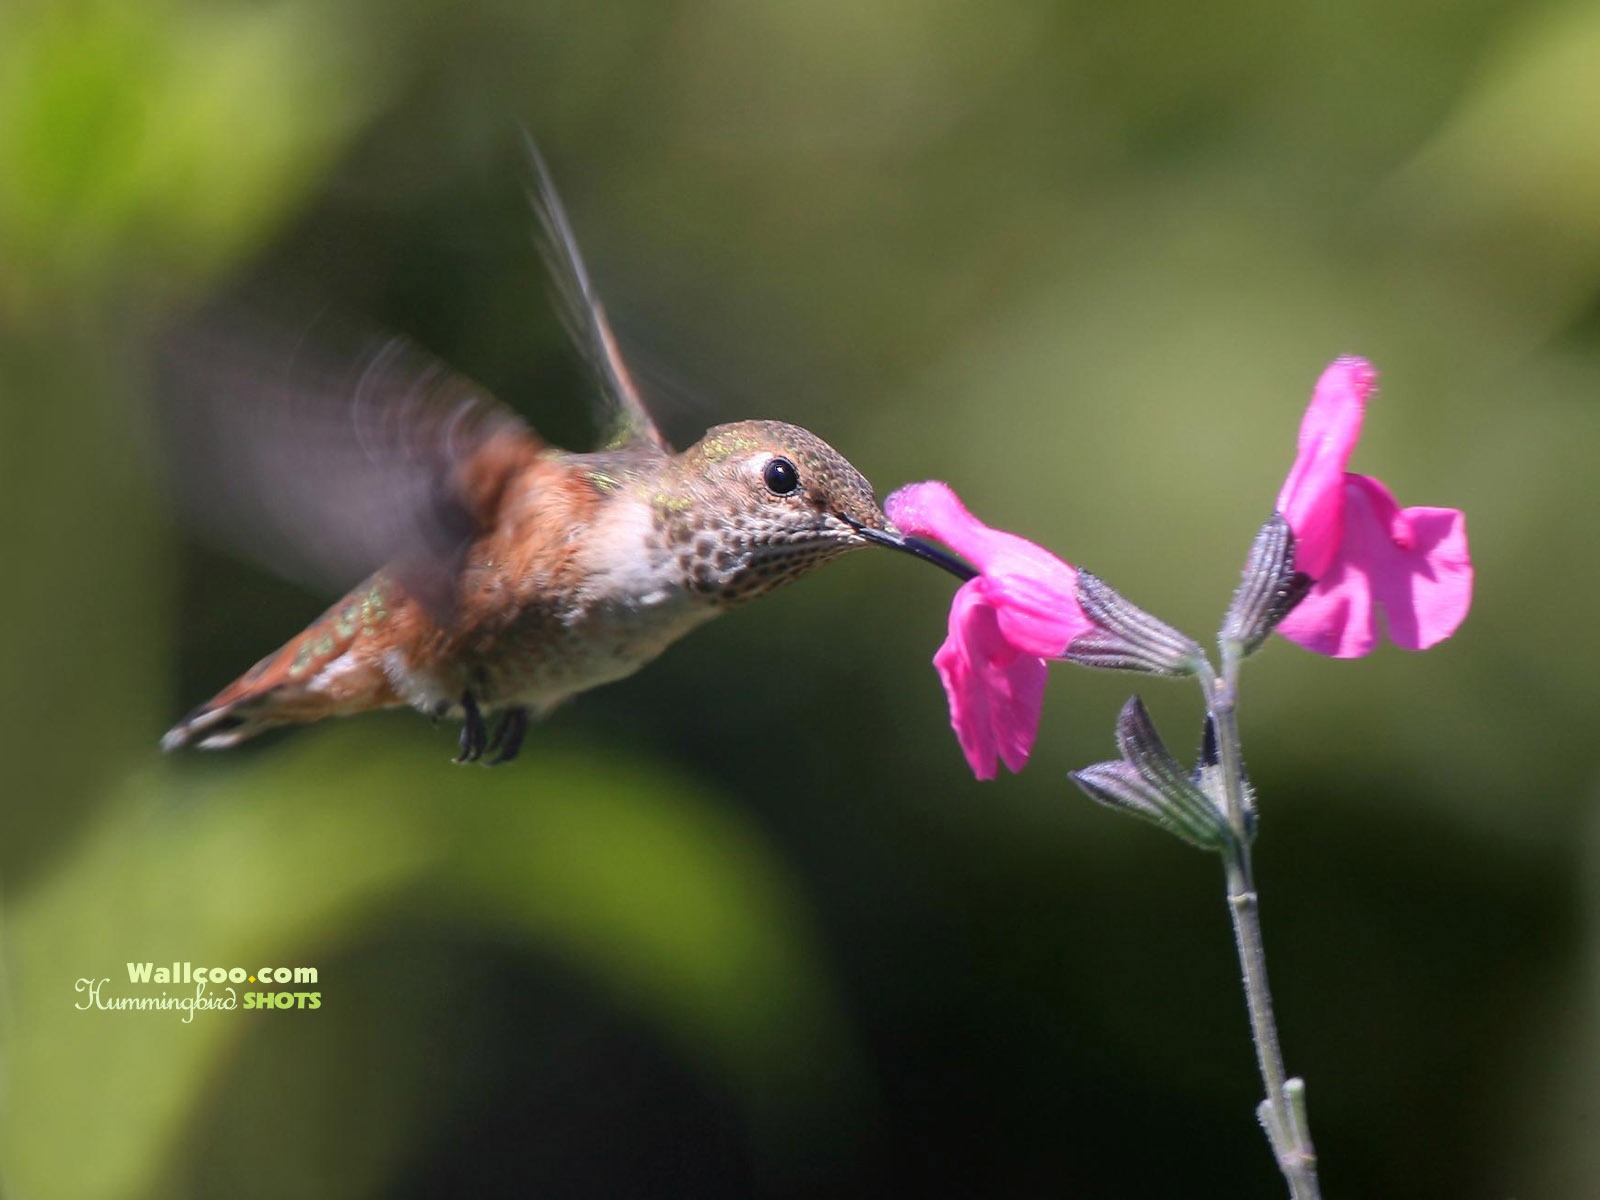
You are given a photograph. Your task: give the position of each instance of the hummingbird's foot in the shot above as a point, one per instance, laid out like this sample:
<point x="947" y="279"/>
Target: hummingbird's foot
<point x="508" y="734"/>
<point x="474" y="733"/>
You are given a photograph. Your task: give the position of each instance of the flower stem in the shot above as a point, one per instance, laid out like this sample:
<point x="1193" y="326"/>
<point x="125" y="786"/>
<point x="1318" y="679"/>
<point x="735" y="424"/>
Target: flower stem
<point x="1283" y="1112"/>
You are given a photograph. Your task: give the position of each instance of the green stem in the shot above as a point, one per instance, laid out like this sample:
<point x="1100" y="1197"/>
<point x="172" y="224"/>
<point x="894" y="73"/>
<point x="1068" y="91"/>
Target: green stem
<point x="1282" y="1114"/>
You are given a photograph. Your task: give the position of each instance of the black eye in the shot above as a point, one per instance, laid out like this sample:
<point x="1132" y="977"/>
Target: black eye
<point x="780" y="477"/>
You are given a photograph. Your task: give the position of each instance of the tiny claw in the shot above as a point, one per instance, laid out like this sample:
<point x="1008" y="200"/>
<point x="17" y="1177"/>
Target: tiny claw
<point x="506" y="743"/>
<point x="474" y="733"/>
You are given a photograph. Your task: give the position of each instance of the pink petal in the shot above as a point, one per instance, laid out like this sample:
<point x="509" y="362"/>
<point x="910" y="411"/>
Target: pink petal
<point x="933" y="510"/>
<point x="1021" y="609"/>
<point x="1036" y="617"/>
<point x="1435" y="600"/>
<point x="1414" y="565"/>
<point x="995" y="693"/>
<point x="1033" y="592"/>
<point x="1312" y="496"/>
<point x="1336" y="617"/>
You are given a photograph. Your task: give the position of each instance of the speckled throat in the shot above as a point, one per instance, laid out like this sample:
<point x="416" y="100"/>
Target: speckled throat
<point x="732" y="560"/>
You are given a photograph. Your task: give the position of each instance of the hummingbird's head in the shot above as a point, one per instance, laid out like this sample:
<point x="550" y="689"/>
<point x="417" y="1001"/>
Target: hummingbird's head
<point x="760" y="503"/>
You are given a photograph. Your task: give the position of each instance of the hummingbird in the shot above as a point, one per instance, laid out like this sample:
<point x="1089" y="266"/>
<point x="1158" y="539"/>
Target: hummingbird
<point x="503" y="574"/>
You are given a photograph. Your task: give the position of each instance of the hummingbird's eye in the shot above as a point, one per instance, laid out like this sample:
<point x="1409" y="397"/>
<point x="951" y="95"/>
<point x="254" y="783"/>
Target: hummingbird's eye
<point x="780" y="477"/>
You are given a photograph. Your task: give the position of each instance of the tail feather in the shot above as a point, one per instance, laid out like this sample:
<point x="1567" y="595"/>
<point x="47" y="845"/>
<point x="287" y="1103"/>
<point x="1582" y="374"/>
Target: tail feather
<point x="333" y="668"/>
<point x="215" y="726"/>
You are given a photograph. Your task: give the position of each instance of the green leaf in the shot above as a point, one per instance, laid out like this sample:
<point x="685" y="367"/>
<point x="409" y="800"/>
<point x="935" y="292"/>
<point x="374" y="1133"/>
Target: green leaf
<point x="652" y="889"/>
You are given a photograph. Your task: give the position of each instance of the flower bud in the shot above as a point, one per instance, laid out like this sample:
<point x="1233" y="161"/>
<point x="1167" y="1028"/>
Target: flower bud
<point x="1148" y="783"/>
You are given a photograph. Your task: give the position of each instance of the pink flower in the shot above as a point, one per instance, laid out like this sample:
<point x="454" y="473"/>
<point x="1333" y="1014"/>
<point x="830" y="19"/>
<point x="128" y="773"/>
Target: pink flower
<point x="1020" y="609"/>
<point x="1365" y="552"/>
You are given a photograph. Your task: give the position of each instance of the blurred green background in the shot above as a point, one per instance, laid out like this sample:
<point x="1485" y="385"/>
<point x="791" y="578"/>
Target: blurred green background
<point x="743" y="925"/>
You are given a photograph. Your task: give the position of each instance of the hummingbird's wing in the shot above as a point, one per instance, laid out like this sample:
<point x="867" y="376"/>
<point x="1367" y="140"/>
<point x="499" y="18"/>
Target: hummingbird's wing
<point x="326" y="467"/>
<point x="624" y="419"/>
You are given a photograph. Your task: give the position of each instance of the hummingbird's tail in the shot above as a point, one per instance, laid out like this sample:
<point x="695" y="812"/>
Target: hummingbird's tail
<point x="331" y="669"/>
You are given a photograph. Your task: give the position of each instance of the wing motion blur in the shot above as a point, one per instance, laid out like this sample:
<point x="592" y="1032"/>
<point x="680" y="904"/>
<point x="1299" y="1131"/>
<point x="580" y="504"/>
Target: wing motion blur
<point x="325" y="457"/>
<point x="324" y="466"/>
<point x="624" y="418"/>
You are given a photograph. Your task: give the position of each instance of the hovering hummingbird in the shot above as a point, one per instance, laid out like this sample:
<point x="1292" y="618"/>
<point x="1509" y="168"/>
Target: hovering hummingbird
<point x="507" y="574"/>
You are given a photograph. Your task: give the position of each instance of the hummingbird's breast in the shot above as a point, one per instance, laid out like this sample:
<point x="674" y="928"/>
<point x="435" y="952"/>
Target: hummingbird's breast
<point x="576" y="587"/>
<point x="632" y="600"/>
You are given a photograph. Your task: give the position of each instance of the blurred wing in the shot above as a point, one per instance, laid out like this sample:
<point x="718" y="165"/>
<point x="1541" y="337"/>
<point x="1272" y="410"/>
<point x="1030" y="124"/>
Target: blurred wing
<point x="325" y="467"/>
<point x="624" y="419"/>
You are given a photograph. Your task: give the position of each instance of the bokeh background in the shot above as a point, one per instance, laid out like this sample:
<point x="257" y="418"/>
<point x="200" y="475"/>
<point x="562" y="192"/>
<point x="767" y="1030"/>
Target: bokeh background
<point x="743" y="925"/>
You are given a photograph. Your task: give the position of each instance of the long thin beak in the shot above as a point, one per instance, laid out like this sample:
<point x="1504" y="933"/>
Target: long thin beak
<point x="917" y="547"/>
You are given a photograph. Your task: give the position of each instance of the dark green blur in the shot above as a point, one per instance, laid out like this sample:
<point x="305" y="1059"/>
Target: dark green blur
<point x="744" y="925"/>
